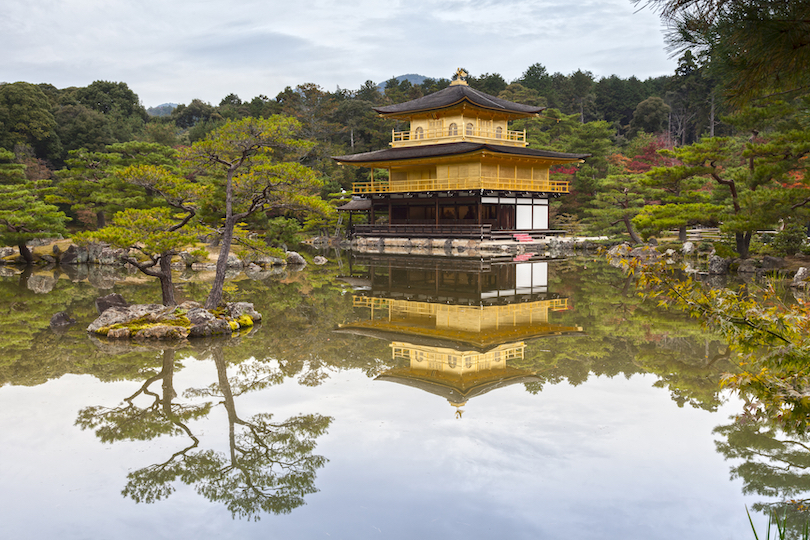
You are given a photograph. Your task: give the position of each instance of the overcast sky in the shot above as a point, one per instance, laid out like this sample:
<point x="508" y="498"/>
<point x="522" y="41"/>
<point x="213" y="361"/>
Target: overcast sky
<point x="177" y="50"/>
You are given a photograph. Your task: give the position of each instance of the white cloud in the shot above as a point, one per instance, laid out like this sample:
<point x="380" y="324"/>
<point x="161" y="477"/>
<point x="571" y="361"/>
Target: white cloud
<point x="179" y="50"/>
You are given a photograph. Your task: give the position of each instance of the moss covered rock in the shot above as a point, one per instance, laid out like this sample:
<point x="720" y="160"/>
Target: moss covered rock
<point x="187" y="320"/>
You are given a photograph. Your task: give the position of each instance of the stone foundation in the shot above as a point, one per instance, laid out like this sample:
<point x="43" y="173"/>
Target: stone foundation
<point x="455" y="247"/>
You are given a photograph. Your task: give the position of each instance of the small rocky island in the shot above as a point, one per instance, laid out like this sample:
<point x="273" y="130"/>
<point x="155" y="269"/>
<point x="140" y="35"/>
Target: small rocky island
<point x="155" y="321"/>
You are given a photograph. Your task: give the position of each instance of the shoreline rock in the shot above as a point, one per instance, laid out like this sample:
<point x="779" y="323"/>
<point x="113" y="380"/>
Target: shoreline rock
<point x="186" y="320"/>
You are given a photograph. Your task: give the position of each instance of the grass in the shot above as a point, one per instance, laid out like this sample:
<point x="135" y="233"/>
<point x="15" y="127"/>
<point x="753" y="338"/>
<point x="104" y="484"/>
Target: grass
<point x="781" y="532"/>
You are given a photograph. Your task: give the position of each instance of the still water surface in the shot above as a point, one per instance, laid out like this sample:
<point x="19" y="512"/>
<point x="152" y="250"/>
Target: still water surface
<point x="388" y="398"/>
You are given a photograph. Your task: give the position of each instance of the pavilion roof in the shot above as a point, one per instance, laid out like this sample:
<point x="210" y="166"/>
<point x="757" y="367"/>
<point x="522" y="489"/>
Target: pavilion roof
<point x="457" y="389"/>
<point x="450" y="149"/>
<point x="356" y="204"/>
<point x="454" y="95"/>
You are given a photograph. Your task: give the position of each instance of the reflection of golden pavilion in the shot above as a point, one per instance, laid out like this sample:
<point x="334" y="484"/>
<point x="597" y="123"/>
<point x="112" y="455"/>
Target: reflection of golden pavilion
<point x="455" y="333"/>
<point x="457" y="375"/>
<point x="479" y="327"/>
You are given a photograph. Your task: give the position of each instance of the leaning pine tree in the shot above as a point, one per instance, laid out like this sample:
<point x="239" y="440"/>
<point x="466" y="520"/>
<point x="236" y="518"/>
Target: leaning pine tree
<point x="153" y="236"/>
<point x="253" y="165"/>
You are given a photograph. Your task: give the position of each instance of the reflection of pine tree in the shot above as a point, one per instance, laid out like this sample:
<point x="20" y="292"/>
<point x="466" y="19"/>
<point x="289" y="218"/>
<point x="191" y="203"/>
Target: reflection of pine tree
<point x="269" y="467"/>
<point x="161" y="417"/>
<point x="774" y="464"/>
<point x="625" y="335"/>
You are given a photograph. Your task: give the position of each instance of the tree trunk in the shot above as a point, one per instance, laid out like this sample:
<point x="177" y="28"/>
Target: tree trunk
<point x="165" y="277"/>
<point x="25" y="252"/>
<point x="167" y="372"/>
<point x="101" y="220"/>
<point x="682" y="233"/>
<point x="227" y="394"/>
<point x="215" y="296"/>
<point x="743" y="242"/>
<point x="631" y="231"/>
<point x="24" y="275"/>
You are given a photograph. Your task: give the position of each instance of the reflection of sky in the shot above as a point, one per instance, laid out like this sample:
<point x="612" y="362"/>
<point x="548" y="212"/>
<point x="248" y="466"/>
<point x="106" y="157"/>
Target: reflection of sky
<point x="611" y="458"/>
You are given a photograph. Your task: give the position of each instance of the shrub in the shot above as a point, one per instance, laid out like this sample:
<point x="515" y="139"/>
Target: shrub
<point x="283" y="231"/>
<point x="789" y="241"/>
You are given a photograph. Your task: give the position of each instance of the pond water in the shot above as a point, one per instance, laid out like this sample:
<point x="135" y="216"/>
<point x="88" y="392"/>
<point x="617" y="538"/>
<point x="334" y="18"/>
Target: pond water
<point x="379" y="398"/>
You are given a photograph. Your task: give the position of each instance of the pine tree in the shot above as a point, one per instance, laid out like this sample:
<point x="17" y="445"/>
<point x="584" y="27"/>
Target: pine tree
<point x="24" y="214"/>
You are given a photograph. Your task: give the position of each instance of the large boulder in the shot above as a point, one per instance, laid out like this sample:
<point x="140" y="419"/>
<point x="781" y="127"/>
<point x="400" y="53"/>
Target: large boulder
<point x="74" y="255"/>
<point x="114" y="315"/>
<point x="188" y="259"/>
<point x="200" y="316"/>
<point x="111" y="257"/>
<point x="718" y="265"/>
<point x="619" y="250"/>
<point x="747" y="266"/>
<point x="801" y="279"/>
<point x="268" y="260"/>
<point x="238" y="309"/>
<point x="772" y="263"/>
<point x="646" y="252"/>
<point x="61" y="320"/>
<point x="295" y="258"/>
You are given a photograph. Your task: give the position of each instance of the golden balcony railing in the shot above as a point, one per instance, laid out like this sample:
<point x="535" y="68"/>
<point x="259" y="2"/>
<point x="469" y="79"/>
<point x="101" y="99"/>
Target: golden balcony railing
<point x="466" y="183"/>
<point x="418" y="136"/>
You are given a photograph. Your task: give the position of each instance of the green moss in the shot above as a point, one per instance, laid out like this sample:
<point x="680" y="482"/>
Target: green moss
<point x="244" y="320"/>
<point x="234" y="325"/>
<point x="146" y="322"/>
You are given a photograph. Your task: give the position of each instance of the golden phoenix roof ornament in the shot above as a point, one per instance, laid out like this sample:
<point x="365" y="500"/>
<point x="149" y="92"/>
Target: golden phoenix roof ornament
<point x="461" y="77"/>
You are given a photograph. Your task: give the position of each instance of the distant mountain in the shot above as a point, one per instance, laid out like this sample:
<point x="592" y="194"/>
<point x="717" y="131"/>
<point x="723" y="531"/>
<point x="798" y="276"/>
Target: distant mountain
<point x="413" y="78"/>
<point x="161" y="110"/>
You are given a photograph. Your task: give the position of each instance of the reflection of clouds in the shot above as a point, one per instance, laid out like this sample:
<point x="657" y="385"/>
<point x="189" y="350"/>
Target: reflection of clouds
<point x="253" y="48"/>
<point x="605" y="458"/>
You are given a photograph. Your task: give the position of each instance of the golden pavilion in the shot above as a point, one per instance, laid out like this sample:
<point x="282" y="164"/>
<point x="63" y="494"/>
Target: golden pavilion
<point x="457" y="171"/>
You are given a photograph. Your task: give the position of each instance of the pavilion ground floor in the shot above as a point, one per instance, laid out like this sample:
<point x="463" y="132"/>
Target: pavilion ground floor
<point x="480" y="216"/>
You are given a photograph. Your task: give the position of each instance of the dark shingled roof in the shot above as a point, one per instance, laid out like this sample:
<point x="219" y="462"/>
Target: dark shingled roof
<point x="450" y="149"/>
<point x="456" y="94"/>
<point x="356" y="204"/>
